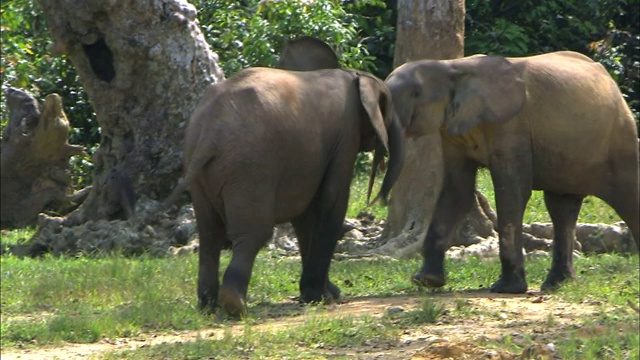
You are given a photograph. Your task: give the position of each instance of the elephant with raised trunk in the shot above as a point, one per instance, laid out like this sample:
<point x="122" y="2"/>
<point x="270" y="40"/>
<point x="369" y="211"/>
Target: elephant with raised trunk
<point x="555" y="122"/>
<point x="268" y="146"/>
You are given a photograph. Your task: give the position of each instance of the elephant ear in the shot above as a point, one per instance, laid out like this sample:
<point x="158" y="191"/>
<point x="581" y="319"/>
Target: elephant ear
<point x="487" y="88"/>
<point x="373" y="95"/>
<point x="307" y="53"/>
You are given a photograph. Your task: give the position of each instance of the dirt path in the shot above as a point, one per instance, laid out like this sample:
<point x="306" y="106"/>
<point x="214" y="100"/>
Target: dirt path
<point x="492" y="316"/>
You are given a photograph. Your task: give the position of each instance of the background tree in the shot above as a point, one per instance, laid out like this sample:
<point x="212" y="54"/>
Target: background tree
<point x="250" y="33"/>
<point x="431" y="29"/>
<point x="144" y="66"/>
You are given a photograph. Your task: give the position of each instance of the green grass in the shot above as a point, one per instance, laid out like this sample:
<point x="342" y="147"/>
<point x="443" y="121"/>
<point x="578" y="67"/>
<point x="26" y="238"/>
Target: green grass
<point x="16" y="237"/>
<point x="593" y="209"/>
<point x="55" y="300"/>
<point x="300" y="342"/>
<point x="358" y="197"/>
<point x="607" y="337"/>
<point x="429" y="311"/>
<point x="52" y="301"/>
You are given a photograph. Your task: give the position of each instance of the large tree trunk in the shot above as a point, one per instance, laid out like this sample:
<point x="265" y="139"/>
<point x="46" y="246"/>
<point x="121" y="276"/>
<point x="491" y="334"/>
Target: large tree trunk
<point x="432" y="29"/>
<point x="145" y="65"/>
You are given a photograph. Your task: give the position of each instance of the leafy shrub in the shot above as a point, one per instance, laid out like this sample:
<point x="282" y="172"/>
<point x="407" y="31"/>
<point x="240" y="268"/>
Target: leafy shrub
<point x="27" y="63"/>
<point x="619" y="52"/>
<point x="376" y="21"/>
<point x="607" y="31"/>
<point x="251" y="33"/>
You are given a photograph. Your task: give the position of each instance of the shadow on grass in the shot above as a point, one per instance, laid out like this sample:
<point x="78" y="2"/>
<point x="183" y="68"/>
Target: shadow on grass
<point x="359" y="305"/>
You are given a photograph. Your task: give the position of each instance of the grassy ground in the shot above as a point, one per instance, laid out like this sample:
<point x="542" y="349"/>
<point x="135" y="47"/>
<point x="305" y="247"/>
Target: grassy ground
<point x="53" y="302"/>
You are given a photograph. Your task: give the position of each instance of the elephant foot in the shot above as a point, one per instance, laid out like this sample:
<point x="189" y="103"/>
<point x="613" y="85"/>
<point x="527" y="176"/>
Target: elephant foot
<point x="311" y="296"/>
<point x="430" y="279"/>
<point x="513" y="283"/>
<point x="233" y="303"/>
<point x="555" y="278"/>
<point x="330" y="294"/>
<point x="207" y="305"/>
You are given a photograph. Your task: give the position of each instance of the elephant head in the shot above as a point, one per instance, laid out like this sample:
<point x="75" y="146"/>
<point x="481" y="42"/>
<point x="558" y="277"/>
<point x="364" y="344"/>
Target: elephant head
<point x="456" y="95"/>
<point x="307" y="53"/>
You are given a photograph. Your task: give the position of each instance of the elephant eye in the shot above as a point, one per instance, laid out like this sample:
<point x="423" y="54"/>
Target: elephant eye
<point x="416" y="91"/>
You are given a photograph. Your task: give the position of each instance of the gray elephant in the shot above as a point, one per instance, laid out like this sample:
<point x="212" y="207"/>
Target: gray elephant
<point x="555" y="122"/>
<point x="307" y="53"/>
<point x="268" y="146"/>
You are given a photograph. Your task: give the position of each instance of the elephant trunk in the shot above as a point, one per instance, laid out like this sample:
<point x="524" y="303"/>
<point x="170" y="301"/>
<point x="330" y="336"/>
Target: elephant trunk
<point x="396" y="161"/>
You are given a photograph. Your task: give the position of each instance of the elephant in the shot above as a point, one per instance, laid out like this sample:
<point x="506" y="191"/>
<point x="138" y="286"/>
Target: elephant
<point x="268" y="146"/>
<point x="307" y="53"/>
<point x="554" y="122"/>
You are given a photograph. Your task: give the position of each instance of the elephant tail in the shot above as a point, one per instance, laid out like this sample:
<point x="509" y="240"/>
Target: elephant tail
<point x="202" y="154"/>
<point x="183" y="184"/>
<point x="396" y="162"/>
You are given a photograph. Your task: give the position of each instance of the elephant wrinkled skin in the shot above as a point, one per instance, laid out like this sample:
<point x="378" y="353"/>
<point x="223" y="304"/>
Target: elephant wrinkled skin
<point x="555" y="122"/>
<point x="268" y="146"/>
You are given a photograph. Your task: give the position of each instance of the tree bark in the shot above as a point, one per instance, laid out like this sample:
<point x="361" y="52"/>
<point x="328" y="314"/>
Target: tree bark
<point x="432" y="29"/>
<point x="145" y="65"/>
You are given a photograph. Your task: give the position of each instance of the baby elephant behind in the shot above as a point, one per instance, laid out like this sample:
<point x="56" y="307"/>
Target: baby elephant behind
<point x="269" y="146"/>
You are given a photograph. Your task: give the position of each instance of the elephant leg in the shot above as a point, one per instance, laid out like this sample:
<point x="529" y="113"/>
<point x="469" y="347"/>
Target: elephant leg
<point x="512" y="183"/>
<point x="454" y="203"/>
<point x="314" y="281"/>
<point x="249" y="227"/>
<point x="325" y="216"/>
<point x="304" y="226"/>
<point x="564" y="211"/>
<point x="211" y="231"/>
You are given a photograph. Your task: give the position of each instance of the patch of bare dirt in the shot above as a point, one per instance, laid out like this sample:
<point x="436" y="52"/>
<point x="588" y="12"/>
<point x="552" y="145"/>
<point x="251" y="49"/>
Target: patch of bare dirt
<point x="482" y="319"/>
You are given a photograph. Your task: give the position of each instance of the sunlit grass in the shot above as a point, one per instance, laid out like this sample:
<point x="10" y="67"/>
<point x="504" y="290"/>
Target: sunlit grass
<point x="55" y="300"/>
<point x="16" y="236"/>
<point x="358" y="198"/>
<point x="304" y="341"/>
<point x="593" y="209"/>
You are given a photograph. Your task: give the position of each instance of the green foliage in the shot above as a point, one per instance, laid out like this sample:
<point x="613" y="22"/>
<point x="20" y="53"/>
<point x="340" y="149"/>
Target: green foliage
<point x="607" y="31"/>
<point x="27" y="63"/>
<point x="376" y="20"/>
<point x="529" y="27"/>
<point x="251" y="32"/>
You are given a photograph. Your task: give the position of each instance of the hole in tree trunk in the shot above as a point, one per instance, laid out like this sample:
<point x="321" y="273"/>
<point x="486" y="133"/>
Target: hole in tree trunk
<point x="101" y="60"/>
